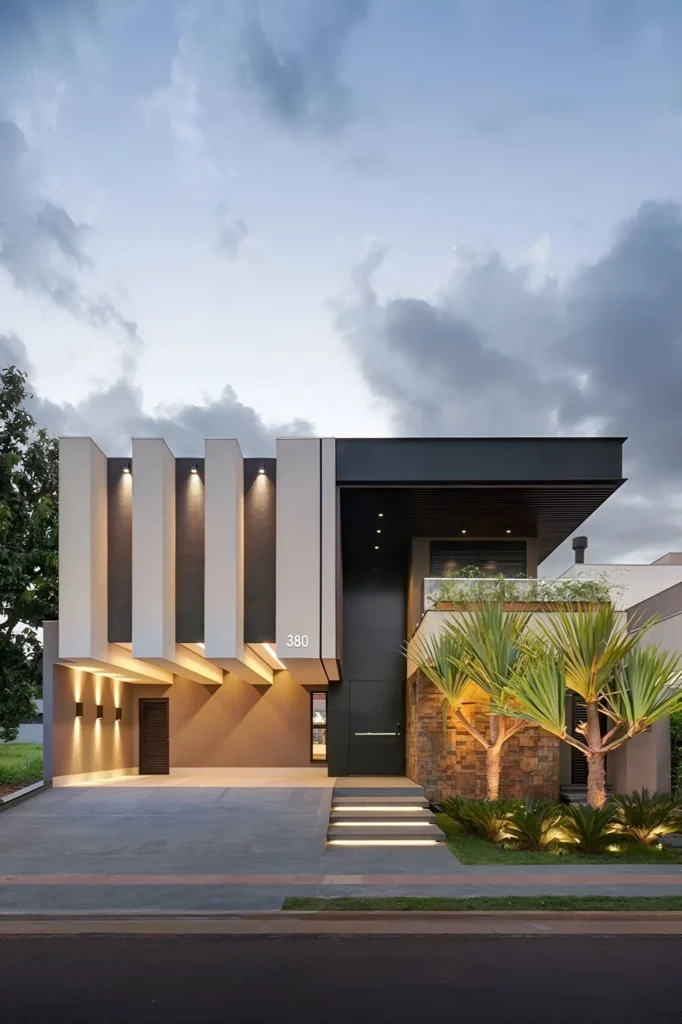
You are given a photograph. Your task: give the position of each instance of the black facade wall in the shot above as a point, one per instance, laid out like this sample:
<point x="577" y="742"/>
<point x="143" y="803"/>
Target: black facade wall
<point x="189" y="551"/>
<point x="260" y="497"/>
<point x="119" y="551"/>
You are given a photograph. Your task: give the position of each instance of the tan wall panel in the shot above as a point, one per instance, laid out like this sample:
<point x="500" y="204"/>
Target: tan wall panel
<point x="235" y="725"/>
<point x="89" y="744"/>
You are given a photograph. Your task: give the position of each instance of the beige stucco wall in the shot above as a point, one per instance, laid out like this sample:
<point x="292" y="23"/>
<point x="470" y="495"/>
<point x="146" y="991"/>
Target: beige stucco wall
<point x="235" y="725"/>
<point x="87" y="745"/>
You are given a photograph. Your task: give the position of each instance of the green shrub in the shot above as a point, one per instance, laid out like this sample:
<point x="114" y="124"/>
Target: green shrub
<point x="23" y="773"/>
<point x="591" y="829"/>
<point x="491" y="818"/>
<point x="459" y="809"/>
<point x="537" y="825"/>
<point x="644" y="818"/>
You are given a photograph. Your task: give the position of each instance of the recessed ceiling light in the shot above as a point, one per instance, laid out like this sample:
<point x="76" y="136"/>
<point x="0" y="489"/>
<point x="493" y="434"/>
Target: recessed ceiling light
<point x="381" y="514"/>
<point x="463" y="531"/>
<point x="378" y="531"/>
<point x="508" y="531"/>
<point x="376" y="547"/>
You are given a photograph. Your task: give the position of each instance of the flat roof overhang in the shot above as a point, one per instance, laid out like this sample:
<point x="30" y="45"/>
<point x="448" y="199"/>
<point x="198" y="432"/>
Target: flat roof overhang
<point x="430" y="487"/>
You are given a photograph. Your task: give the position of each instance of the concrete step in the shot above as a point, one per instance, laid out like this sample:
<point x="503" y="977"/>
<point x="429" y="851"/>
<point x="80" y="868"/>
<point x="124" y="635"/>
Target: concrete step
<point x="379" y="830"/>
<point x="382" y="791"/>
<point x="379" y="801"/>
<point x="418" y="814"/>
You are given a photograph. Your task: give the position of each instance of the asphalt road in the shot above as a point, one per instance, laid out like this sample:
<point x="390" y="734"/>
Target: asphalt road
<point x="325" y="980"/>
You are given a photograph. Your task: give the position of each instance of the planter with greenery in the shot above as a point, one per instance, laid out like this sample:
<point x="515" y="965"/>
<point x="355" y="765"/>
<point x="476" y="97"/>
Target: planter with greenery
<point x="470" y="587"/>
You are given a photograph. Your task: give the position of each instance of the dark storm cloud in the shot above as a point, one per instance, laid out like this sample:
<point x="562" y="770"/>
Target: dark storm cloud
<point x="299" y="80"/>
<point x="114" y="415"/>
<point x="492" y="354"/>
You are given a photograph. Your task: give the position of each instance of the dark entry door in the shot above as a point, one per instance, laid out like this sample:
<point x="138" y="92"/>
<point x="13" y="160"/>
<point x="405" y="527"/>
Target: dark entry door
<point x="154" y="736"/>
<point x="377" y="733"/>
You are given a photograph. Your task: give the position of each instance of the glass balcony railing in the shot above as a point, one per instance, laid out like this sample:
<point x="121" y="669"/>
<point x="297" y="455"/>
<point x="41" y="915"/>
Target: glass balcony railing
<point x="447" y="593"/>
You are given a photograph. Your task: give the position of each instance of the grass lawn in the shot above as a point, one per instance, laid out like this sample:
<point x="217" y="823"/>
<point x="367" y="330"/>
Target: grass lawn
<point x="21" y="764"/>
<point x="17" y="753"/>
<point x="474" y="850"/>
<point x="651" y="903"/>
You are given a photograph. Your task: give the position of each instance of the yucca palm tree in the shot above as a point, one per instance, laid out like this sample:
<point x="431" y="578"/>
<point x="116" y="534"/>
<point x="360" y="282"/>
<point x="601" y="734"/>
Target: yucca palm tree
<point x="589" y="653"/>
<point x="481" y="647"/>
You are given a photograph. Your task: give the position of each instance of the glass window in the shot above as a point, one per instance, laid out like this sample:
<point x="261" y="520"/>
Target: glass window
<point x="318" y="708"/>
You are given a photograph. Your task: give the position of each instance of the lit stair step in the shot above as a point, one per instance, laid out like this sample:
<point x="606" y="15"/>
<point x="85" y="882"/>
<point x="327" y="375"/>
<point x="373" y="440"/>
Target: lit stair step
<point x="379" y="801"/>
<point x="422" y="814"/>
<point x="384" y="830"/>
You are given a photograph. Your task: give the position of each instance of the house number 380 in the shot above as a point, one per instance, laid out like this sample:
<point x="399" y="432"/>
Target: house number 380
<point x="297" y="640"/>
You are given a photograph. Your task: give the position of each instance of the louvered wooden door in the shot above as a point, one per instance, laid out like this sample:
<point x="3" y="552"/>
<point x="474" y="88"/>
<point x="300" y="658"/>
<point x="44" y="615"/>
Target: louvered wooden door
<point x="154" y="736"/>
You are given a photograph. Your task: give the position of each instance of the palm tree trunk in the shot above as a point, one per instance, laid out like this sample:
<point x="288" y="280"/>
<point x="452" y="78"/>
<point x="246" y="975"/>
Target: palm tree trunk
<point x="493" y="757"/>
<point x="596" y="774"/>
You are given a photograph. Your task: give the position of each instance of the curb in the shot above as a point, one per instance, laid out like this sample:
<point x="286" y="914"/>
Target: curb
<point x="23" y="794"/>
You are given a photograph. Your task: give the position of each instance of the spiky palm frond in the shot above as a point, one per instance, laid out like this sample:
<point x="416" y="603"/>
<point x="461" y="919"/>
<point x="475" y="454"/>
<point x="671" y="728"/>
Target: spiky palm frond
<point x="442" y="659"/>
<point x="590" y="828"/>
<point x="537" y="693"/>
<point x="646" y="686"/>
<point x="537" y="824"/>
<point x="591" y="643"/>
<point x="459" y="808"/>
<point x="490" y="640"/>
<point x="645" y="818"/>
<point x="491" y="818"/>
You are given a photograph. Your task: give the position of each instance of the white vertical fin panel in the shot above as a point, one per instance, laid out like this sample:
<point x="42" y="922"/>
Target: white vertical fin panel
<point x="82" y="549"/>
<point x="224" y="525"/>
<point x="153" y="549"/>
<point x="330" y="562"/>
<point x="298" y="559"/>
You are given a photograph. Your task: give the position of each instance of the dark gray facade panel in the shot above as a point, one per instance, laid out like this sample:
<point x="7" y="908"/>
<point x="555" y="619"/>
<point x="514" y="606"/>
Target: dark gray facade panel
<point x="371" y="697"/>
<point x="485" y="460"/>
<point x="260" y="497"/>
<point x="120" y="551"/>
<point x="189" y="551"/>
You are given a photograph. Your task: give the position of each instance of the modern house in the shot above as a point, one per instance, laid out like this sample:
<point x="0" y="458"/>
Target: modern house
<point x="229" y="612"/>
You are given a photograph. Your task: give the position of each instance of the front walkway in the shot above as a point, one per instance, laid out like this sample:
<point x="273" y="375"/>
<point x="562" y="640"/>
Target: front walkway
<point x="136" y="847"/>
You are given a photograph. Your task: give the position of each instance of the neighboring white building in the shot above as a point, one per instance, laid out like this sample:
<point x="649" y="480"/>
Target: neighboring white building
<point x="633" y="584"/>
<point x="31" y="731"/>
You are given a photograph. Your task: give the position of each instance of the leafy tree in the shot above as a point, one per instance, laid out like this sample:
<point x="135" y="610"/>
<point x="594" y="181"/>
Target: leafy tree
<point x="481" y="647"/>
<point x="28" y="550"/>
<point x="591" y="654"/>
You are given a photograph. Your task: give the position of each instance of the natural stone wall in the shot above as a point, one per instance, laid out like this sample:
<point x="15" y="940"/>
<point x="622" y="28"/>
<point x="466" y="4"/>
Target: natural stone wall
<point x="449" y="762"/>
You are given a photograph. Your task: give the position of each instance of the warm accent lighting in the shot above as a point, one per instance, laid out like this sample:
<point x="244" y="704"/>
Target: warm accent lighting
<point x="507" y="531"/>
<point x="271" y="652"/>
<point x="127" y="468"/>
<point x="79" y="709"/>
<point x="379" y="807"/>
<point x="100" y="710"/>
<point x="387" y="824"/>
<point x="463" y="531"/>
<point x="378" y="531"/>
<point x="261" y="470"/>
<point x="119" y="714"/>
<point x="195" y="468"/>
<point x="382" y="842"/>
<point x="376" y="547"/>
<point x="381" y="515"/>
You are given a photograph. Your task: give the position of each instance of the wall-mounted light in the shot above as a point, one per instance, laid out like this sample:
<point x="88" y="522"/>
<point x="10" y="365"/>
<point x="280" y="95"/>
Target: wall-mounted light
<point x="100" y="710"/>
<point x="119" y="714"/>
<point x="127" y="468"/>
<point x="195" y="468"/>
<point x="79" y="709"/>
<point x="261" y="470"/>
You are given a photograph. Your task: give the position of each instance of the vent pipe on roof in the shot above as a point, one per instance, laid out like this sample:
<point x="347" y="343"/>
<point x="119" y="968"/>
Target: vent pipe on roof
<point x="579" y="545"/>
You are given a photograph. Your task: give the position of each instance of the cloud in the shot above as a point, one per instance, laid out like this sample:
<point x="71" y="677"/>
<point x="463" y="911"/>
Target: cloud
<point x="42" y="249"/>
<point x="495" y="353"/>
<point x="232" y="233"/>
<point x="295" y="70"/>
<point x="115" y="414"/>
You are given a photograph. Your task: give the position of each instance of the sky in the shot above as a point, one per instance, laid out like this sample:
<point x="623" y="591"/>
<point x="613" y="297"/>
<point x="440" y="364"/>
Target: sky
<point x="257" y="218"/>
